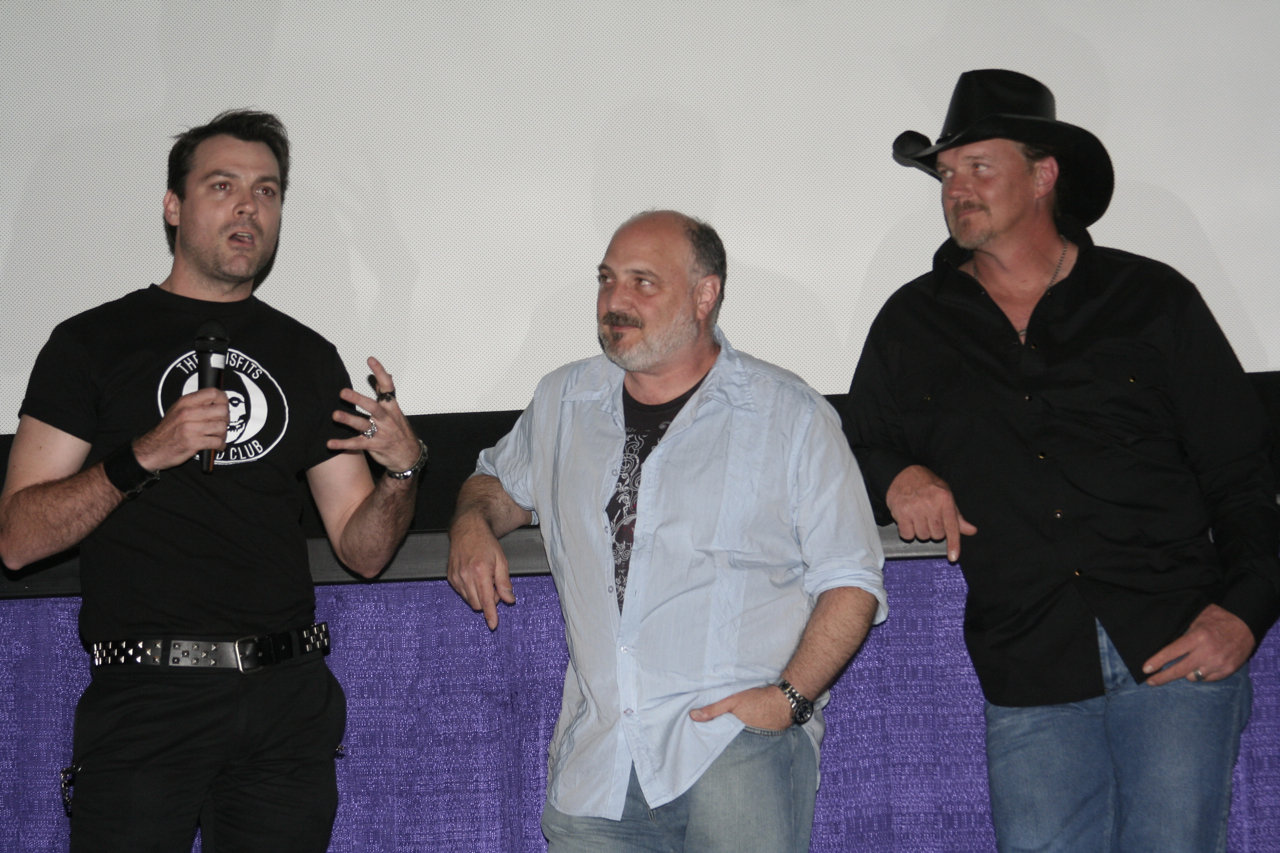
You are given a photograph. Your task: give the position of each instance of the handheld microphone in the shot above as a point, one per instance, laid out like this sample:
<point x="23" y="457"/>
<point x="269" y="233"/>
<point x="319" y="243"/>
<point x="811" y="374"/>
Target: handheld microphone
<point x="211" y="357"/>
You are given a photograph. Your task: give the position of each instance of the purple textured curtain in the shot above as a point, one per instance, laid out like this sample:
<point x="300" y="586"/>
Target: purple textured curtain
<point x="448" y="724"/>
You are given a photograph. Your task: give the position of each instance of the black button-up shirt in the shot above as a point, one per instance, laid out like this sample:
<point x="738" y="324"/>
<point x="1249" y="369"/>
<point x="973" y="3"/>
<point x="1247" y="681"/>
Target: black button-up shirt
<point x="1115" y="465"/>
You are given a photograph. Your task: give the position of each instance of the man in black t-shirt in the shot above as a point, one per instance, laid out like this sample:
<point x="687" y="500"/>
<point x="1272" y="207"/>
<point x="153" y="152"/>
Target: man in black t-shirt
<point x="210" y="704"/>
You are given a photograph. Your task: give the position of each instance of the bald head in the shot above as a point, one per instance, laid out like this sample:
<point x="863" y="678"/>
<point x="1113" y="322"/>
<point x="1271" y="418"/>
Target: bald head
<point x="706" y="251"/>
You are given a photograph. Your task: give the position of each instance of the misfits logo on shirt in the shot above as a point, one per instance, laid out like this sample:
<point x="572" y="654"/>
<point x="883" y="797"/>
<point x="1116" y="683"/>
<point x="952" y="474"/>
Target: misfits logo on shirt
<point x="259" y="413"/>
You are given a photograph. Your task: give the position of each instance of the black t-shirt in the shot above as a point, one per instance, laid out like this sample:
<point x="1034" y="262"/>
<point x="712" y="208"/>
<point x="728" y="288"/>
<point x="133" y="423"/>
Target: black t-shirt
<point x="646" y="424"/>
<point x="218" y="555"/>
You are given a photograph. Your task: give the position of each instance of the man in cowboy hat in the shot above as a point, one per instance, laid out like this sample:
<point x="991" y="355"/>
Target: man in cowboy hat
<point x="1074" y="418"/>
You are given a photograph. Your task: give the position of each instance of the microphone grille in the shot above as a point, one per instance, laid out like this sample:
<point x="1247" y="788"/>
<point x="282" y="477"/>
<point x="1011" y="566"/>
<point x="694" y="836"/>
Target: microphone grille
<point x="212" y="337"/>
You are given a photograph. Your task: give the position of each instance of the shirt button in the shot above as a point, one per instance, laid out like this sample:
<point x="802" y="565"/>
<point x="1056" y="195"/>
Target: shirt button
<point x="1057" y="513"/>
<point x="1042" y="455"/>
<point x="628" y="712"/>
<point x="1026" y="397"/>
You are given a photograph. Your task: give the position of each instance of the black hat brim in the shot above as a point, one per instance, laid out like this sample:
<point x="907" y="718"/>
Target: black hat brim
<point x="1087" y="181"/>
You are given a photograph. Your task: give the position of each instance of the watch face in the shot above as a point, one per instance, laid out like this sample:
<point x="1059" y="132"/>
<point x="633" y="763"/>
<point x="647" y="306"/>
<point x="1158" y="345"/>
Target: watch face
<point x="801" y="708"/>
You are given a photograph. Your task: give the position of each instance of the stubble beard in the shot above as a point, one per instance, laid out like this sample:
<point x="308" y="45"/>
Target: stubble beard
<point x="651" y="350"/>
<point x="965" y="231"/>
<point x="228" y="267"/>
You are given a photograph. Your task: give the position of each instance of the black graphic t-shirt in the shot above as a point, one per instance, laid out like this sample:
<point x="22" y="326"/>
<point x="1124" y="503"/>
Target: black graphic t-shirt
<point x="646" y="424"/>
<point x="197" y="554"/>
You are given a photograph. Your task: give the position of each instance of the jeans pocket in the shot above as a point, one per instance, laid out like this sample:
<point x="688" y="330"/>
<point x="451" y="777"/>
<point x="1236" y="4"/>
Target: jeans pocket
<point x="763" y="732"/>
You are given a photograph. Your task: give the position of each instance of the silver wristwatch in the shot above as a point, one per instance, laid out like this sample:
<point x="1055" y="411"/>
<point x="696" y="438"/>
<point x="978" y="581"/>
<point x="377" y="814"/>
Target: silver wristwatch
<point x="801" y="708"/>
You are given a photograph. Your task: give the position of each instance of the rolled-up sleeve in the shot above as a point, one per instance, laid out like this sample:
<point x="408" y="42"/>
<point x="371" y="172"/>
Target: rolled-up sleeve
<point x="510" y="462"/>
<point x="834" y="524"/>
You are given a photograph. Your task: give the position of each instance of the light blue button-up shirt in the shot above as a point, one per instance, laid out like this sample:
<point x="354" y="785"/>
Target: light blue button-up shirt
<point x="750" y="507"/>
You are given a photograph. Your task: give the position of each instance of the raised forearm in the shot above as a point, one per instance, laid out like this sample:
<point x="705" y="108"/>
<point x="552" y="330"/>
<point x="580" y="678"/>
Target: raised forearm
<point x="46" y="518"/>
<point x="378" y="526"/>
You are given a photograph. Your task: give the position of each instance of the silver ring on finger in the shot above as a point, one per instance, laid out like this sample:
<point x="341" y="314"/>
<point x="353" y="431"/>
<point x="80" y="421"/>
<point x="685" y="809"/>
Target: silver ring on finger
<point x="1198" y="675"/>
<point x="372" y="430"/>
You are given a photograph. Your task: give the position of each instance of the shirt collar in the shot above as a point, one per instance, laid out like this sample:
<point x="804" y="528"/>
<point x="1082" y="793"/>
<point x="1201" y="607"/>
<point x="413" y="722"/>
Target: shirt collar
<point x="727" y="381"/>
<point x="950" y="257"/>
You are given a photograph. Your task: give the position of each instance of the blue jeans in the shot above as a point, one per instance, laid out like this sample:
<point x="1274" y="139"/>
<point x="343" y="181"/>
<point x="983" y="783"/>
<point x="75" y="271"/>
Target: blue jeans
<point x="1138" y="769"/>
<point x="758" y="795"/>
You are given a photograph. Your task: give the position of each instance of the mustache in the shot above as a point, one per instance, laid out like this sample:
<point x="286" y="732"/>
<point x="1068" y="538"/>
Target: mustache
<point x="617" y="318"/>
<point x="966" y="206"/>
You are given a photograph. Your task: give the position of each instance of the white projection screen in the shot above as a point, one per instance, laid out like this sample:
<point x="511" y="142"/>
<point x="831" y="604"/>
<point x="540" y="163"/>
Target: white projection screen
<point x="459" y="167"/>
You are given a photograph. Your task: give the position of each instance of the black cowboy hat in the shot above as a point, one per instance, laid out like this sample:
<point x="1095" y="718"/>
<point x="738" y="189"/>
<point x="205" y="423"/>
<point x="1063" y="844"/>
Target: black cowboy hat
<point x="994" y="103"/>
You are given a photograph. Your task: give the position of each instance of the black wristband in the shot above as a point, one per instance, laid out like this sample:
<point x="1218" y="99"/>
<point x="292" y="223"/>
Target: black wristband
<point x="125" y="473"/>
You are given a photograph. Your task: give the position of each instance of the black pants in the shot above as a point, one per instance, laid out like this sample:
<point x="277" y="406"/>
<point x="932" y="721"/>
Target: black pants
<point x="246" y="757"/>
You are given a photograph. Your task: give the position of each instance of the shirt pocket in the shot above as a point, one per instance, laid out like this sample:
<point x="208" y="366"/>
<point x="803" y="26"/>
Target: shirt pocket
<point x="1125" y="392"/>
<point x="753" y="517"/>
<point x="941" y="406"/>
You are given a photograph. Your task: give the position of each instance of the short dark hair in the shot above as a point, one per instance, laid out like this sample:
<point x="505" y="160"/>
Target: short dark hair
<point x="708" y="255"/>
<point x="245" y="125"/>
<point x="1035" y="152"/>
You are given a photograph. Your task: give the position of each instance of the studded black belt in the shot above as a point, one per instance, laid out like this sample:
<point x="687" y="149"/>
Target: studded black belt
<point x="244" y="654"/>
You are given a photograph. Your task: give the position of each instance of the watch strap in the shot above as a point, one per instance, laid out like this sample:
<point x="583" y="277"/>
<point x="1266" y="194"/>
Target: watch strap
<point x="801" y="707"/>
<point x="415" y="468"/>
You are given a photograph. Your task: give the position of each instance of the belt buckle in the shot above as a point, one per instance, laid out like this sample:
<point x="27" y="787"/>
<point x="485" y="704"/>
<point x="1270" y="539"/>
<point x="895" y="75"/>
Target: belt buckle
<point x="246" y="647"/>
